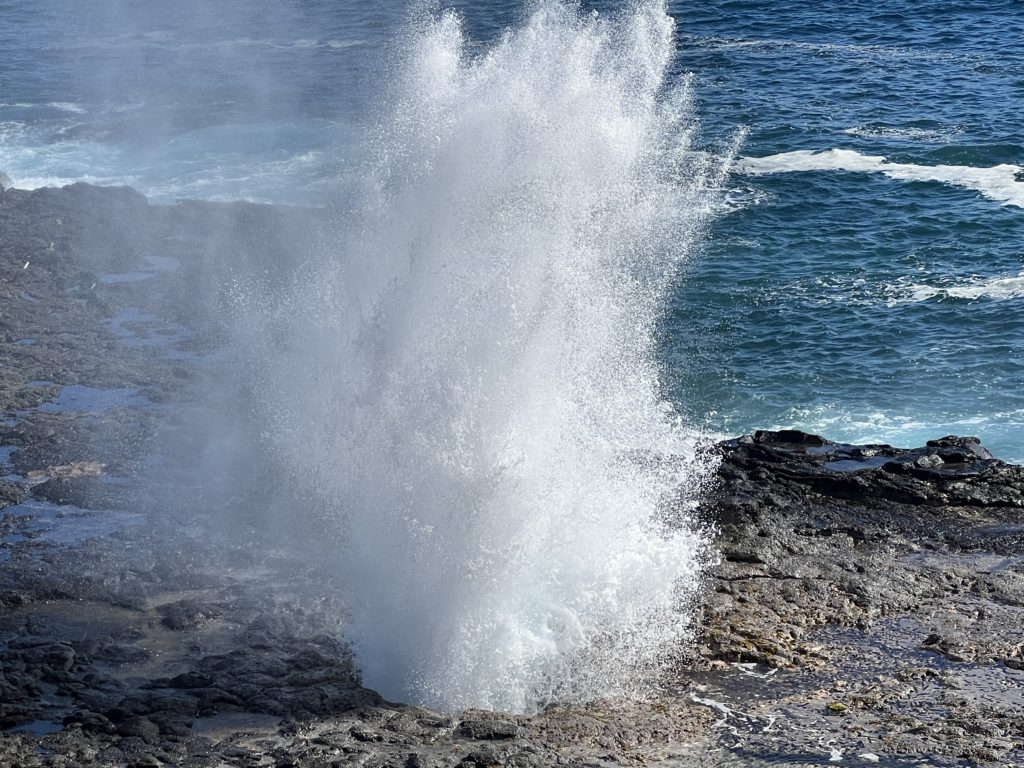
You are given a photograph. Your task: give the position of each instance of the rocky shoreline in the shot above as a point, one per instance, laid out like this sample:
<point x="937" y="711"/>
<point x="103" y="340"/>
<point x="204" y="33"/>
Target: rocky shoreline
<point x="867" y="607"/>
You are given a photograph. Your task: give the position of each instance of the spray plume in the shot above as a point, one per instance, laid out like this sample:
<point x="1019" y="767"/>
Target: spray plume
<point x="468" y="384"/>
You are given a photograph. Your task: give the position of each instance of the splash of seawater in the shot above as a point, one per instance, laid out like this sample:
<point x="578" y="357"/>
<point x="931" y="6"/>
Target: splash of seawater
<point x="470" y="382"/>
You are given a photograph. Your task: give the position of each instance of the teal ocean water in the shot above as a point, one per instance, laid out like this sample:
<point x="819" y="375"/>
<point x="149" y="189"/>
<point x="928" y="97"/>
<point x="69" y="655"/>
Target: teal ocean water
<point x="865" y="279"/>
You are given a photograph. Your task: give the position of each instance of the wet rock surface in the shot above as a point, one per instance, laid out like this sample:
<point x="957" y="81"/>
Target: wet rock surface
<point x="876" y="591"/>
<point x="868" y="601"/>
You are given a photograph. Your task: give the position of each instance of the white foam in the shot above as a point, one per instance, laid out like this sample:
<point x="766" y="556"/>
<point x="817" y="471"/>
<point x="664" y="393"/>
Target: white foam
<point x="63" y="106"/>
<point x="996" y="288"/>
<point x="856" y="426"/>
<point x="39" y="182"/>
<point x="469" y="384"/>
<point x="342" y="44"/>
<point x="999" y="430"/>
<point x="67" y="106"/>
<point x="996" y="183"/>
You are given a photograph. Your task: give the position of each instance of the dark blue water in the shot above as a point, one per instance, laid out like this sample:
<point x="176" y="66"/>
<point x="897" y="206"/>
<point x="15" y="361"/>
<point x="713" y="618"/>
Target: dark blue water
<point x="885" y="304"/>
<point x="875" y="293"/>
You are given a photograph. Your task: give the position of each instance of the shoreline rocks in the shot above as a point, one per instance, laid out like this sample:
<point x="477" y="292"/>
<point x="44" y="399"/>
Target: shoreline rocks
<point x="815" y="533"/>
<point x="866" y="599"/>
<point x="888" y="583"/>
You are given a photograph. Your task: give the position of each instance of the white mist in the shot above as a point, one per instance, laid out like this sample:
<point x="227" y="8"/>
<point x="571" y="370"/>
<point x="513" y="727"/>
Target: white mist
<point x="468" y="385"/>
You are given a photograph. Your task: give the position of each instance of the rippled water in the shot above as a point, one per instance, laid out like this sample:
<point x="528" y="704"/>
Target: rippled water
<point x="866" y="282"/>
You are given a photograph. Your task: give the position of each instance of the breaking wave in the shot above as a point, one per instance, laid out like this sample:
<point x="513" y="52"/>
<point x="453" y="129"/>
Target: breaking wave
<point x="1002" y="183"/>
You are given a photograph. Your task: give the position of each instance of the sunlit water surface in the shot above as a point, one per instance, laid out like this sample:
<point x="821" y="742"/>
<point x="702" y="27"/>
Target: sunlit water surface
<point x="866" y="282"/>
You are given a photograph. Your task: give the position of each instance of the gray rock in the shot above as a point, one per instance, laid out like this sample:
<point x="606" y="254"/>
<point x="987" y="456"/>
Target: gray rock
<point x="140" y="727"/>
<point x="488" y="730"/>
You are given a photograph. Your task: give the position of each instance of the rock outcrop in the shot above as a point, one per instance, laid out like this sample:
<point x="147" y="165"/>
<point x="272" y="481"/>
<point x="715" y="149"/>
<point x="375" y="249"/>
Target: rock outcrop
<point x="866" y="599"/>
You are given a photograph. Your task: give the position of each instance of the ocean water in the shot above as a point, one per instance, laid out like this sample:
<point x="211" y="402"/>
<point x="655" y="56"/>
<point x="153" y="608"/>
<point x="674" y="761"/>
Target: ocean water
<point x="548" y="291"/>
<point x="865" y="279"/>
<point x="867" y="282"/>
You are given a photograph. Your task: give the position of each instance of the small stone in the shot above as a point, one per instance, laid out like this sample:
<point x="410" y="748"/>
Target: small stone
<point x="91" y="721"/>
<point x="144" y="729"/>
<point x="187" y="614"/>
<point x="361" y="733"/>
<point x="488" y="730"/>
<point x="836" y="707"/>
<point x="189" y="680"/>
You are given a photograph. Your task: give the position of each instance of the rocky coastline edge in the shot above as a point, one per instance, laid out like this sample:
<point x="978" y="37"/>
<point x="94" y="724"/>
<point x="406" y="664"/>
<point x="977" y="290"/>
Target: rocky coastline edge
<point x="866" y="606"/>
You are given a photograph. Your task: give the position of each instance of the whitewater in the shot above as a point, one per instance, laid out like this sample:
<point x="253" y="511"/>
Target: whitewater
<point x="863" y="282"/>
<point x="469" y="382"/>
<point x="1001" y="183"/>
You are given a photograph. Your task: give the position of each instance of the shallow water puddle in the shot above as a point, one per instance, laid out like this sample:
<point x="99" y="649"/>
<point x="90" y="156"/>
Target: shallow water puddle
<point x="856" y="465"/>
<point x="229" y="723"/>
<point x="153" y="266"/>
<point x="77" y="397"/>
<point x="136" y="328"/>
<point x="64" y="524"/>
<point x="37" y="728"/>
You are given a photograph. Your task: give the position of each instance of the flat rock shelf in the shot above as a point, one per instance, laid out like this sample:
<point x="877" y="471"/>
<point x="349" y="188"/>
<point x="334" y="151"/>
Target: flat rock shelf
<point x="864" y="606"/>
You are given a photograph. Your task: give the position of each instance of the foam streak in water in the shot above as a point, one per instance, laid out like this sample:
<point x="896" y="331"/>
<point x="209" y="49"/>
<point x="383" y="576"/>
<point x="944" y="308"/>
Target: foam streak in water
<point x="995" y="288"/>
<point x="469" y="383"/>
<point x="1000" y="182"/>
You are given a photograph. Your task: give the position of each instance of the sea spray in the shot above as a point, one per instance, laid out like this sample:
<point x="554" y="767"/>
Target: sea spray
<point x="468" y="384"/>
